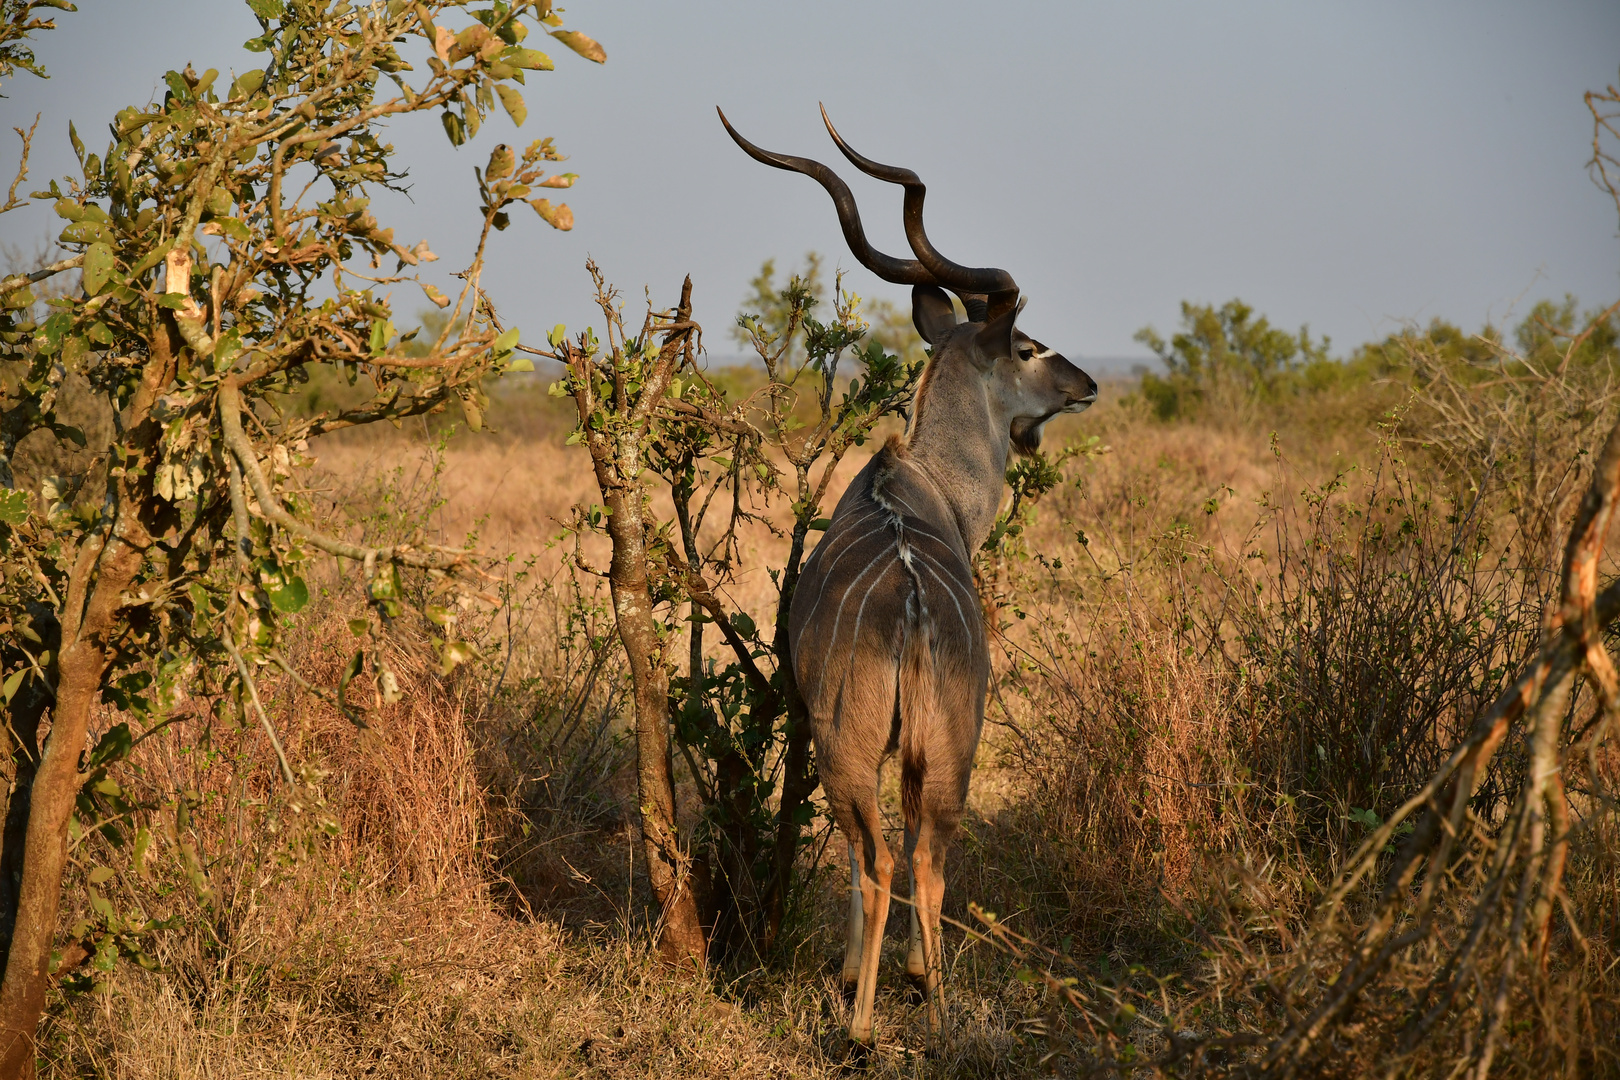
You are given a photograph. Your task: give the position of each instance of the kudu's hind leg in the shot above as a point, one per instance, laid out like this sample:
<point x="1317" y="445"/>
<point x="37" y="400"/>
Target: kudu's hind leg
<point x="852" y="941"/>
<point x="928" y="893"/>
<point x="915" y="966"/>
<point x="878" y="873"/>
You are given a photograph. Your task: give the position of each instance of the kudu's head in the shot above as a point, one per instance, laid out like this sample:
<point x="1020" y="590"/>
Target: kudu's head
<point x="1024" y="381"/>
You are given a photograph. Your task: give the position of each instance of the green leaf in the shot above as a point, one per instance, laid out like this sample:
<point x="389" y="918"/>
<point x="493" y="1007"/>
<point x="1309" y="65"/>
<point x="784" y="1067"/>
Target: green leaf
<point x="528" y="59"/>
<point x="349" y="672"/>
<point x="381" y="331"/>
<point x="385" y="585"/>
<point x="743" y="624"/>
<point x="49" y="337"/>
<point x="512" y="102"/>
<point x="820" y="524"/>
<point x="558" y="335"/>
<point x="143" y="841"/>
<point x="226" y="350"/>
<point x="13" y="508"/>
<point x="358" y="627"/>
<point x="581" y="44"/>
<point x="247" y="84"/>
<point x="98" y="266"/>
<point x="521" y="363"/>
<point x="438" y="298"/>
<point x="13" y="683"/>
<point x="87" y="232"/>
<point x="454" y="654"/>
<point x="73" y="350"/>
<point x="291" y="597"/>
<point x="152" y="258"/>
<point x="265" y="9"/>
<point x="104" y="957"/>
<point x="455" y="128"/>
<point x="233" y="228"/>
<point x="113" y="746"/>
<point x="202" y="606"/>
<point x="506" y="342"/>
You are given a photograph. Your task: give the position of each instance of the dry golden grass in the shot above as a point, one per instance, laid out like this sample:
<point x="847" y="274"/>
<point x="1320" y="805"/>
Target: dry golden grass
<point x="480" y="911"/>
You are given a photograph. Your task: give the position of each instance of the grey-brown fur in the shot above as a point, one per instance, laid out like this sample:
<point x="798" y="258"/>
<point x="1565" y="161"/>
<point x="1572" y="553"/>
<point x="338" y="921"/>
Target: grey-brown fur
<point x="888" y="639"/>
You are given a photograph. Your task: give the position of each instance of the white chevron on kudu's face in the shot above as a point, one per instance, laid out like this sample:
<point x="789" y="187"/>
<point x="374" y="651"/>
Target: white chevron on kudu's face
<point x="888" y="642"/>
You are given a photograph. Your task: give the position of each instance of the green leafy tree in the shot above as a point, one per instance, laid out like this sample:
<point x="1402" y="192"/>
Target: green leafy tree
<point x="1228" y="359"/>
<point x="227" y="253"/>
<point x="766" y="313"/>
<point x="1439" y="338"/>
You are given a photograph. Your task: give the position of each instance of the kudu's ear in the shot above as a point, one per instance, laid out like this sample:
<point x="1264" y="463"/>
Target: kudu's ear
<point x="996" y="339"/>
<point x="932" y="313"/>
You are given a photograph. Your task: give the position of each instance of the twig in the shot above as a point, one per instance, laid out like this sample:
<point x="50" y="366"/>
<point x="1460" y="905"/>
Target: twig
<point x="230" y="406"/>
<point x="27" y="137"/>
<point x="264" y="717"/>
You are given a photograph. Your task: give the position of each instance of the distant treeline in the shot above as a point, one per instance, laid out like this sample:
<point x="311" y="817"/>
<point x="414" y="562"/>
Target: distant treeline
<point x="1230" y="359"/>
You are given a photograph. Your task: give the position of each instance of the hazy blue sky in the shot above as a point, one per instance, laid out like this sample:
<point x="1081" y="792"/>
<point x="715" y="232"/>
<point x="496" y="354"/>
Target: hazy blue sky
<point x="1352" y="166"/>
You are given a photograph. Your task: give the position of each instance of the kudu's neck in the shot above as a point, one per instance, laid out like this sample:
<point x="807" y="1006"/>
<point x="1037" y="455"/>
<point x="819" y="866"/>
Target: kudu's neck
<point x="958" y="437"/>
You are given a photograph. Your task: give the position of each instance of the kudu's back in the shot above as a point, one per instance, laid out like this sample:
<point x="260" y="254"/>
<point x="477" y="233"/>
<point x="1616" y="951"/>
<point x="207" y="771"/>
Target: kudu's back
<point x="885" y="626"/>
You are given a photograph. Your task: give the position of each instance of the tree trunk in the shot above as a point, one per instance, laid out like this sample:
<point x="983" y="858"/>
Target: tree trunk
<point x="799" y="779"/>
<point x="104" y="568"/>
<point x="25" y="716"/>
<point x="82" y="663"/>
<point x="799" y="782"/>
<point x="616" y="452"/>
<point x="681" y="939"/>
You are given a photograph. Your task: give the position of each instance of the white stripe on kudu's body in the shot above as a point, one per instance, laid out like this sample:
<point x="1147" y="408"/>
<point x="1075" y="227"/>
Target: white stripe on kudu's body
<point x="913" y="675"/>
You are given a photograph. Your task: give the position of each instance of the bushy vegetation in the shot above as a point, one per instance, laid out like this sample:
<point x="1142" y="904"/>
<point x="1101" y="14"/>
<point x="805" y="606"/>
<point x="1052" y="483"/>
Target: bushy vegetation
<point x="1221" y="667"/>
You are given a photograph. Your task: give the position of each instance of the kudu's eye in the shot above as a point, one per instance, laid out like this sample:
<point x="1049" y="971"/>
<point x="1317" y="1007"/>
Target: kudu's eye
<point x="1026" y="352"/>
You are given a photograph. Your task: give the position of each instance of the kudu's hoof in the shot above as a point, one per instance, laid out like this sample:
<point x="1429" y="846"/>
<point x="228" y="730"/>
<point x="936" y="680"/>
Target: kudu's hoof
<point x="916" y="991"/>
<point x="857" y="1056"/>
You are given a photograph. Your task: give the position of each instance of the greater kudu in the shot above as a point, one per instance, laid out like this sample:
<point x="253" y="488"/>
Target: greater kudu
<point x="886" y="631"/>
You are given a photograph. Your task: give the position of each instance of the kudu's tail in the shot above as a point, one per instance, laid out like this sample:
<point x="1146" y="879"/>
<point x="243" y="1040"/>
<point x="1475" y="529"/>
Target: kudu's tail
<point x="919" y="709"/>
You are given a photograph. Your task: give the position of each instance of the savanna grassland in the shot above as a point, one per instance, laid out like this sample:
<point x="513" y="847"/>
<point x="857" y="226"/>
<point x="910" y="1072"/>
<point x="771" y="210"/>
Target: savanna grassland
<point x="1260" y="599"/>
<point x="394" y="694"/>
